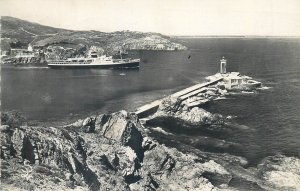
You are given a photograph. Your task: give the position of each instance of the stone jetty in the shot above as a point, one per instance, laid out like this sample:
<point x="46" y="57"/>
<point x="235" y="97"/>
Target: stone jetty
<point x="152" y="107"/>
<point x="217" y="85"/>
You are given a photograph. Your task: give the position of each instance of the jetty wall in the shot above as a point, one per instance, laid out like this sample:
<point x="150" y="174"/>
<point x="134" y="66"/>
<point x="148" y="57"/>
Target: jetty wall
<point x="151" y="108"/>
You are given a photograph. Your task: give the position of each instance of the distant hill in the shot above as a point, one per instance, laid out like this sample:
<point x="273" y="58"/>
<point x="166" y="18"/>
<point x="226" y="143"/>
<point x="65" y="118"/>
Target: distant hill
<point x="17" y="33"/>
<point x="24" y="31"/>
<point x="13" y="26"/>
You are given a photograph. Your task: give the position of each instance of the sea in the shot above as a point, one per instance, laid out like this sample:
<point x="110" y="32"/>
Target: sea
<point x="265" y="122"/>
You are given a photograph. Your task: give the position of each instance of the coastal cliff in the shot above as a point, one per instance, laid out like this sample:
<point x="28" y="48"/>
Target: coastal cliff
<point x="115" y="152"/>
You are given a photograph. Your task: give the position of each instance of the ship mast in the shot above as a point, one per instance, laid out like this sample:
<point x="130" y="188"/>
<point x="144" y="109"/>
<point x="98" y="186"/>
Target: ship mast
<point x="121" y="54"/>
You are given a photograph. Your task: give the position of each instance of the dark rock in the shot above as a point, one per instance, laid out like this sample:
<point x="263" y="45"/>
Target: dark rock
<point x="217" y="179"/>
<point x="116" y="162"/>
<point x="70" y="184"/>
<point x="105" y="163"/>
<point x="148" y="144"/>
<point x="42" y="169"/>
<point x="168" y="164"/>
<point x="151" y="184"/>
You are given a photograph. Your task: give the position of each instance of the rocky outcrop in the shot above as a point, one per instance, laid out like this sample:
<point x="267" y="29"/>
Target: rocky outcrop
<point x="122" y="127"/>
<point x="54" y="150"/>
<point x="280" y="172"/>
<point x="114" y="152"/>
<point x="173" y="112"/>
<point x="110" y="151"/>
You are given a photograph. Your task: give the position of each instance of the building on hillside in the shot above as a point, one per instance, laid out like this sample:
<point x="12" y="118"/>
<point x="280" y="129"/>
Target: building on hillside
<point x="160" y="46"/>
<point x="30" y="48"/>
<point x="18" y="53"/>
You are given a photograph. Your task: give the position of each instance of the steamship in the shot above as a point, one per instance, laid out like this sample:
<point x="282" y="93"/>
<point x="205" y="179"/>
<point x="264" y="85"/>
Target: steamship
<point x="95" y="61"/>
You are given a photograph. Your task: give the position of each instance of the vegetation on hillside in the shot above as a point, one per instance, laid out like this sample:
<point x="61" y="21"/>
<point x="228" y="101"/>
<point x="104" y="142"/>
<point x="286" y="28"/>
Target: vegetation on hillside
<point x="17" y="33"/>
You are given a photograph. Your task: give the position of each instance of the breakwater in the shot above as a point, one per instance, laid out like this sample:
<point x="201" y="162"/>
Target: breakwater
<point x="152" y="107"/>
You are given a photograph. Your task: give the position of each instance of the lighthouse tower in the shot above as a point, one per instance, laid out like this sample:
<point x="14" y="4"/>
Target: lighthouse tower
<point x="223" y="63"/>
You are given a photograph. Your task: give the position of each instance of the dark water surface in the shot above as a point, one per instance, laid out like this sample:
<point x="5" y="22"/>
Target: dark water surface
<point x="267" y="122"/>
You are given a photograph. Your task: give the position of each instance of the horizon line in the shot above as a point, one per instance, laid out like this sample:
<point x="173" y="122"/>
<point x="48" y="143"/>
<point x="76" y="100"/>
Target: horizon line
<point x="170" y="35"/>
<point x="234" y="36"/>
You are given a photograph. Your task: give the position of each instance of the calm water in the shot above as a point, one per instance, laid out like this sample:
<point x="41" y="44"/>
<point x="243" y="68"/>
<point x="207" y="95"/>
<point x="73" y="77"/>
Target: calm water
<point x="269" y="121"/>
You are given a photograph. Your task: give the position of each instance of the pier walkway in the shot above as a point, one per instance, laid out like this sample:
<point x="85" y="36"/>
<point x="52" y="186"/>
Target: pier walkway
<point x="152" y="107"/>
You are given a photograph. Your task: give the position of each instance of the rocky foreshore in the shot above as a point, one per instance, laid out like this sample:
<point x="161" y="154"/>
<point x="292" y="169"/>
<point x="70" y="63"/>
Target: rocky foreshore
<point x="98" y="153"/>
<point x="115" y="152"/>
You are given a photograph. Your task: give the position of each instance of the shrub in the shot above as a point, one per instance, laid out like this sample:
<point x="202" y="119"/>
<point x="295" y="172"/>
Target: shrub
<point x="12" y="119"/>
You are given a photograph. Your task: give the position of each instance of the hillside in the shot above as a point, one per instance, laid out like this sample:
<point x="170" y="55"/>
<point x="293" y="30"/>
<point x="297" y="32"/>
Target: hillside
<point x="15" y="30"/>
<point x="17" y="33"/>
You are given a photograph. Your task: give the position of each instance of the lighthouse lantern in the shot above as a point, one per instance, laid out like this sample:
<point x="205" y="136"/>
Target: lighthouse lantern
<point x="223" y="63"/>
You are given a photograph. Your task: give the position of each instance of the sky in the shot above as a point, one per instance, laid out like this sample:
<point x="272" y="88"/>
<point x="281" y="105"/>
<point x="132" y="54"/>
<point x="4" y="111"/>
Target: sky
<point x="170" y="17"/>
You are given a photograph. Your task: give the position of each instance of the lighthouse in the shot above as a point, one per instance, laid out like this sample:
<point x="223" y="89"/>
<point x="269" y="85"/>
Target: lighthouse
<point x="223" y="63"/>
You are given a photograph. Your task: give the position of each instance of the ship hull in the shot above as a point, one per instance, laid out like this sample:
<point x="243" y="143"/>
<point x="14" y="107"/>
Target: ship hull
<point x="78" y="66"/>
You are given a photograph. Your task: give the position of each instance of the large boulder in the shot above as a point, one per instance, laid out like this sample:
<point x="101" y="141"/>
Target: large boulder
<point x="281" y="172"/>
<point x="122" y="127"/>
<point x="172" y="112"/>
